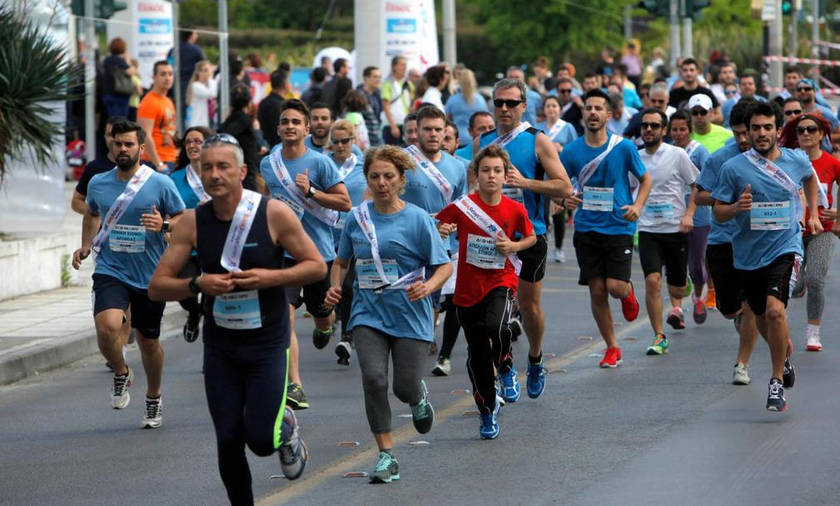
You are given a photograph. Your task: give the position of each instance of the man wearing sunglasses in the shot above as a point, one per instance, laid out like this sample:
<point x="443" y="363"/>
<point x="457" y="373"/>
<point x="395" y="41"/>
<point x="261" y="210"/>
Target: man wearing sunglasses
<point x="791" y="108"/>
<point x="806" y="92"/>
<point x="712" y="136"/>
<point x="570" y="104"/>
<point x="536" y="174"/>
<point x="759" y="190"/>
<point x="747" y="86"/>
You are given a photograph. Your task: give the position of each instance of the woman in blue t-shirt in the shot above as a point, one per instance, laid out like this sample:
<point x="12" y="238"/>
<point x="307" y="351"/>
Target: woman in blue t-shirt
<point x="396" y="245"/>
<point x="462" y="105"/>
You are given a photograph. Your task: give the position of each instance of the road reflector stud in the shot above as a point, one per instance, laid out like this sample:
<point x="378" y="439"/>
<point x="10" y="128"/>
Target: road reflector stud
<point x="348" y="444"/>
<point x="460" y="391"/>
<point x="418" y="443"/>
<point x="558" y="371"/>
<point x="356" y="474"/>
<point x="584" y="338"/>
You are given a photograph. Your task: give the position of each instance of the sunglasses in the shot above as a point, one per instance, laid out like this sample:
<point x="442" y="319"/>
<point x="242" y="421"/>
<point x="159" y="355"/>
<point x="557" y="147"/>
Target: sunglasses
<point x="346" y="140"/>
<point x="564" y="91"/>
<point x="498" y="102"/>
<point x="652" y="126"/>
<point x="793" y="112"/>
<point x="224" y="138"/>
<point x="699" y="112"/>
<point x="810" y="129"/>
<point x="730" y="92"/>
<point x="804" y="88"/>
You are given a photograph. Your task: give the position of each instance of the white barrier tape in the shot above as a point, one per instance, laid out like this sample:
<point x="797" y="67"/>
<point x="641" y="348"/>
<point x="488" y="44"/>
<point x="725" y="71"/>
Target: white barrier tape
<point x="809" y="61"/>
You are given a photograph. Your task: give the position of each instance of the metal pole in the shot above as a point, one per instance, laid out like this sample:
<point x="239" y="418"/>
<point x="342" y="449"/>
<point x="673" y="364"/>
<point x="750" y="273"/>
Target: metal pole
<point x="674" y="32"/>
<point x="815" y="27"/>
<point x="176" y="53"/>
<point x="776" y="43"/>
<point x="688" y="41"/>
<point x="90" y="82"/>
<point x="628" y="22"/>
<point x="793" y="30"/>
<point x="224" y="102"/>
<point x="449" y="47"/>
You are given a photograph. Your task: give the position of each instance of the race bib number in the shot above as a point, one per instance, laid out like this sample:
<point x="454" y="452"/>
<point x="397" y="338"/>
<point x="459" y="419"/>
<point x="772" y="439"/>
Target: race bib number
<point x="514" y="194"/>
<point x="597" y="199"/>
<point x="127" y="239"/>
<point x="659" y="210"/>
<point x="369" y="278"/>
<point x="481" y="252"/>
<point x="238" y="310"/>
<point x="297" y="208"/>
<point x="770" y="216"/>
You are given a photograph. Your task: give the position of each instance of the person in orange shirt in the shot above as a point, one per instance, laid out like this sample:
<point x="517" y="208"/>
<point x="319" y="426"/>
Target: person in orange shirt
<point x="156" y="114"/>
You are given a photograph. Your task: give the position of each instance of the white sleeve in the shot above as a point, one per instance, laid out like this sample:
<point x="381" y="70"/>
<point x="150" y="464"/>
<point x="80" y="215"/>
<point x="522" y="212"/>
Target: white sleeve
<point x="688" y="172"/>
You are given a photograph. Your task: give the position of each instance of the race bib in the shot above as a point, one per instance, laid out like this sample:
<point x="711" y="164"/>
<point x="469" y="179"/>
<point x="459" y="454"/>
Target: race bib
<point x="238" y="310"/>
<point x="770" y="216"/>
<point x="368" y="277"/>
<point x="597" y="199"/>
<point x="481" y="252"/>
<point x="514" y="194"/>
<point x="659" y="210"/>
<point x="127" y="239"/>
<point x="297" y="208"/>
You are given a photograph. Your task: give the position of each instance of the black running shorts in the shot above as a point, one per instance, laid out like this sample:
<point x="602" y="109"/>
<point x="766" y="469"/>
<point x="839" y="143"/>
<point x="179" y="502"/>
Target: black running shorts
<point x="774" y="280"/>
<point x="669" y="250"/>
<point x="603" y="256"/>
<point x="111" y="293"/>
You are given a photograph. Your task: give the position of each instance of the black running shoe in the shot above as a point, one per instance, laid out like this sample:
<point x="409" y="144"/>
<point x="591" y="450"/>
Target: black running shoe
<point x="776" y="396"/>
<point x="295" y="397"/>
<point x="789" y="374"/>
<point x="515" y="328"/>
<point x="191" y="327"/>
<point x="321" y="338"/>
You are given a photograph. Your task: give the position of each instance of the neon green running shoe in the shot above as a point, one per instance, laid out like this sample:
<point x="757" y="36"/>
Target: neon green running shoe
<point x="659" y="346"/>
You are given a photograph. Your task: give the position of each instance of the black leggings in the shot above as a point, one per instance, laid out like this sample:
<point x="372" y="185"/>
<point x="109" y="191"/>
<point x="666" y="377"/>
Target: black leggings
<point x="451" y="327"/>
<point x="488" y="343"/>
<point x="559" y="221"/>
<point x="246" y="394"/>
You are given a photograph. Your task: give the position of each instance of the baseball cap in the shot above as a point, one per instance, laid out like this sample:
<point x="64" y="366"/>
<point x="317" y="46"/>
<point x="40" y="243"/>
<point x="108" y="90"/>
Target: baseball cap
<point x="808" y="82"/>
<point x="700" y="100"/>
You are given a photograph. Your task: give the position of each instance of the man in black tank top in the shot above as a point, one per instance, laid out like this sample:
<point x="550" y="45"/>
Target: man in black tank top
<point x="246" y="329"/>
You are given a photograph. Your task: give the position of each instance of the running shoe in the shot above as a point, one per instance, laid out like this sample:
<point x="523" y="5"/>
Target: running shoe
<point x="320" y="338"/>
<point x="119" y="390"/>
<point x="499" y="399"/>
<point x="443" y="367"/>
<point x="789" y="374"/>
<point x="515" y="325"/>
<point x="776" y="396"/>
<point x="659" y="345"/>
<point x="699" y="314"/>
<point x="689" y="287"/>
<point x="342" y="350"/>
<point x="510" y="385"/>
<point x="559" y="256"/>
<point x="295" y="397"/>
<point x="741" y="374"/>
<point x="422" y="413"/>
<point x="535" y="379"/>
<point x="191" y="327"/>
<point x="630" y="306"/>
<point x="154" y="413"/>
<point x="386" y="470"/>
<point x="711" y="299"/>
<point x="293" y="453"/>
<point x="489" y="428"/>
<point x="612" y="358"/>
<point x="812" y="340"/>
<point x="799" y="289"/>
<point x="676" y="318"/>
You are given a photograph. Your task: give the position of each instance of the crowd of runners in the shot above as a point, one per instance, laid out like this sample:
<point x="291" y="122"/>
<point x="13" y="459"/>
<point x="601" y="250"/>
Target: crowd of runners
<point x="453" y="216"/>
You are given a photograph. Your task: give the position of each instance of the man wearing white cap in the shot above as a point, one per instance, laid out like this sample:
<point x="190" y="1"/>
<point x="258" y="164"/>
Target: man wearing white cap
<point x="711" y="136"/>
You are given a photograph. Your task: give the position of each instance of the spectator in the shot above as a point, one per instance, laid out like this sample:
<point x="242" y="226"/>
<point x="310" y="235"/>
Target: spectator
<point x="619" y="78"/>
<point x="315" y="91"/>
<point x="438" y="77"/>
<point x="134" y="99"/>
<point x="397" y="93"/>
<point x="462" y="105"/>
<point x="201" y="89"/>
<point x="620" y="116"/>
<point x="415" y="76"/>
<point x="288" y="90"/>
<point x="355" y="106"/>
<point x="116" y="70"/>
<point x="240" y="124"/>
<point x="156" y="114"/>
<point x="370" y="87"/>
<point x="190" y="54"/>
<point x="268" y="113"/>
<point x="327" y="65"/>
<point x="632" y="61"/>
<point x="338" y="86"/>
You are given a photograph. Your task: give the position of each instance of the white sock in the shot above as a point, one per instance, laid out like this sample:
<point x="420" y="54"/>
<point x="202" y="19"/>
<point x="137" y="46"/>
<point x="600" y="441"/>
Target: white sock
<point x="813" y="330"/>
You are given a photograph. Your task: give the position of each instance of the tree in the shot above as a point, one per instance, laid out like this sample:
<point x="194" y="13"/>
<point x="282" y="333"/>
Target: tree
<point x="33" y="72"/>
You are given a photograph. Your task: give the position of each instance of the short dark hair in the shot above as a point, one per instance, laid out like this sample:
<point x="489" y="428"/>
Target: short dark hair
<point x="450" y="123"/>
<point x="689" y="61"/>
<point x="434" y="75"/>
<point x="791" y="99"/>
<point x="793" y="69"/>
<point x="318" y="105"/>
<point x="355" y="101"/>
<point x="563" y="80"/>
<point x="278" y="78"/>
<point x="750" y="73"/>
<point x="651" y="110"/>
<point x="430" y="112"/>
<point x="765" y="109"/>
<point x="157" y="64"/>
<point x="125" y="126"/>
<point x="297" y="105"/>
<point x="339" y="65"/>
<point x="738" y="114"/>
<point x="476" y="115"/>
<point x="369" y="70"/>
<point x="491" y="151"/>
<point x="547" y="98"/>
<point x="412" y="116"/>
<point x="598" y="93"/>
<point x="240" y="96"/>
<point x="680" y="115"/>
<point x="397" y="59"/>
<point x="114" y="120"/>
<point x="319" y="75"/>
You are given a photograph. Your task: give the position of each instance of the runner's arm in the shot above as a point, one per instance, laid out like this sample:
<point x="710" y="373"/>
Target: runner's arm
<point x="703" y="197"/>
<point x="287" y="231"/>
<point x="688" y="218"/>
<point x="423" y="289"/>
<point x="335" y="197"/>
<point x="78" y="203"/>
<point x="337" y="275"/>
<point x="506" y="246"/>
<point x="811" y="187"/>
<point x="644" y="190"/>
<point x="165" y="283"/>
<point x="148" y="125"/>
<point x="557" y="183"/>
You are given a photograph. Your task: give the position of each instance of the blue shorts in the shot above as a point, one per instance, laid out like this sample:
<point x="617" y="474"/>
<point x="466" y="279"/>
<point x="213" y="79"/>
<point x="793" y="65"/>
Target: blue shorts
<point x="111" y="293"/>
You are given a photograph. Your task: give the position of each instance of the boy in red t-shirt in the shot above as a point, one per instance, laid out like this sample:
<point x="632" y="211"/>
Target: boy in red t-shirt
<point x="487" y="279"/>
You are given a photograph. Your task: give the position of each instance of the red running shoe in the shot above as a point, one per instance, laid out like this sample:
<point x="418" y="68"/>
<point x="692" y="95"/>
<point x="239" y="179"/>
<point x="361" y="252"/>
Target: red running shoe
<point x="612" y="358"/>
<point x="630" y="306"/>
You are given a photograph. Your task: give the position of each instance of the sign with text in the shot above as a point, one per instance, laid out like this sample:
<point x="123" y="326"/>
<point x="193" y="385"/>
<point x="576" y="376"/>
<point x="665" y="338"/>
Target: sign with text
<point x="409" y="30"/>
<point x="153" y="34"/>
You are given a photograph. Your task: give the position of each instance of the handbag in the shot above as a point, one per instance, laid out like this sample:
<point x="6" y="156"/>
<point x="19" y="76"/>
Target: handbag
<point x="122" y="83"/>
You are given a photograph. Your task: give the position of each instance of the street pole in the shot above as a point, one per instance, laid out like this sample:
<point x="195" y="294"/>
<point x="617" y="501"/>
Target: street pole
<point x="628" y="22"/>
<point x="688" y="42"/>
<point x="776" y="43"/>
<point x="224" y="102"/>
<point x="674" y="32"/>
<point x="176" y="53"/>
<point x="815" y="28"/>
<point x="90" y="82"/>
<point x="793" y="30"/>
<point x="449" y="47"/>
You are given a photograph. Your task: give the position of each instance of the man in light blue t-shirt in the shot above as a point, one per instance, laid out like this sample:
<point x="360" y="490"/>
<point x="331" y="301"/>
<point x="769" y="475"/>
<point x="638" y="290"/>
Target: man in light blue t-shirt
<point x="480" y="122"/>
<point x="759" y="189"/>
<point x="128" y="247"/>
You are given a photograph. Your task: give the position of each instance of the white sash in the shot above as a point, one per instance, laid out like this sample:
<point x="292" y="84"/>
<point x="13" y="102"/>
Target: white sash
<point x="195" y="183"/>
<point x="691" y="147"/>
<point x="487" y="225"/>
<point x="589" y="169"/>
<point x="503" y="140"/>
<point x="556" y="128"/>
<point x="347" y="167"/>
<point x="328" y="216"/>
<point x="362" y="215"/>
<point x="120" y="205"/>
<point x="566" y="108"/>
<point x="237" y="234"/>
<point x="431" y="171"/>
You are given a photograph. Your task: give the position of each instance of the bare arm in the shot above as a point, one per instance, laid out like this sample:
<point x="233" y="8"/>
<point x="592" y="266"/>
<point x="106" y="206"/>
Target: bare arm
<point x="422" y="289"/>
<point x="334" y="198"/>
<point x="90" y="225"/>
<point x="633" y="212"/>
<point x="811" y="187"/>
<point x="78" y="203"/>
<point x="725" y="212"/>
<point x="337" y="275"/>
<point x="687" y="222"/>
<point x="149" y="147"/>
<point x="165" y="284"/>
<point x="287" y="231"/>
<point x="556" y="184"/>
<point x="506" y="246"/>
<point x="703" y="198"/>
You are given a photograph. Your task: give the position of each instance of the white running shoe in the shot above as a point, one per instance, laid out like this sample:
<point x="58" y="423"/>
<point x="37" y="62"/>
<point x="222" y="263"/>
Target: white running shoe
<point x="559" y="256"/>
<point x="154" y="413"/>
<point x="812" y="342"/>
<point x="119" y="390"/>
<point x="293" y="453"/>
<point x="740" y="376"/>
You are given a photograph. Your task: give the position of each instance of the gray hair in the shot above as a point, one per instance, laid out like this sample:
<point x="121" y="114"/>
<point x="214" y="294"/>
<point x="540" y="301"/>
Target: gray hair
<point x="616" y="100"/>
<point x="238" y="155"/>
<point x="658" y="88"/>
<point x="508" y="83"/>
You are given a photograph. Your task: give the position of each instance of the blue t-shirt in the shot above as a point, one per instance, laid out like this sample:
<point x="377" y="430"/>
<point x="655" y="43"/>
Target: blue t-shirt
<point x="461" y="111"/>
<point x="533" y="101"/>
<point x="356" y="185"/>
<point x="465" y="152"/>
<point x="410" y="239"/>
<point x="721" y="233"/>
<point x="324" y="175"/>
<point x="613" y="174"/>
<point x="753" y="249"/>
<point x="132" y="268"/>
<point x="563" y="136"/>
<point x="179" y="177"/>
<point x="726" y="108"/>
<point x="422" y="192"/>
<point x="703" y="215"/>
<point x="307" y="141"/>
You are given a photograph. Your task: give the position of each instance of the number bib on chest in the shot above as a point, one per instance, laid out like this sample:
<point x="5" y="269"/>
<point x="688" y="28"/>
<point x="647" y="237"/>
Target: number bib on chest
<point x="481" y="252"/>
<point x="659" y="210"/>
<point x="770" y="216"/>
<point x="238" y="310"/>
<point x="369" y="278"/>
<point x="127" y="239"/>
<point x="514" y="194"/>
<point x="297" y="208"/>
<point x="597" y="199"/>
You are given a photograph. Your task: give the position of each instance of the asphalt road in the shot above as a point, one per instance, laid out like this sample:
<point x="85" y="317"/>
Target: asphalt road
<point x="657" y="430"/>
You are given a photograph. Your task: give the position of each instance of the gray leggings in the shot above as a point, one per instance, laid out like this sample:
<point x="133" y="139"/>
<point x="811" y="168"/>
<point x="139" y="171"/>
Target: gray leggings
<point x="409" y="357"/>
<point x="818" y="252"/>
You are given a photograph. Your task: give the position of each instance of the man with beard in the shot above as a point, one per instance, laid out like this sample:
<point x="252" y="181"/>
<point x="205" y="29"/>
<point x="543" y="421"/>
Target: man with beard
<point x="759" y="190"/>
<point x="691" y="87"/>
<point x="410" y="130"/>
<point x="134" y="200"/>
<point x="606" y="222"/>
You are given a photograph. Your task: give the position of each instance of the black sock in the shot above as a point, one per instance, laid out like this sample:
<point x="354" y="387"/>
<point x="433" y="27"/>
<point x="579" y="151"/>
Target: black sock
<point x="534" y="361"/>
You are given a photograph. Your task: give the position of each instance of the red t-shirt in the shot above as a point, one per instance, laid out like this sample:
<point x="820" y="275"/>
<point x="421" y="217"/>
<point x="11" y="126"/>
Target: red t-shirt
<point x="828" y="170"/>
<point x="475" y="246"/>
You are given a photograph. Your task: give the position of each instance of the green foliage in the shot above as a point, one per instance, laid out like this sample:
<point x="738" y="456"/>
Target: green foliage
<point x="33" y="72"/>
<point x="247" y="14"/>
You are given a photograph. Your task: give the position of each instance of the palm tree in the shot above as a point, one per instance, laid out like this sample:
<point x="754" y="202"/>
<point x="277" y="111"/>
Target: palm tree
<point x="33" y="72"/>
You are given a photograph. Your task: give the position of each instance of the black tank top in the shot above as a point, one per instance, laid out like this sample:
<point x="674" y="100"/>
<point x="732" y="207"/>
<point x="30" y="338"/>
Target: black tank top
<point x="259" y="252"/>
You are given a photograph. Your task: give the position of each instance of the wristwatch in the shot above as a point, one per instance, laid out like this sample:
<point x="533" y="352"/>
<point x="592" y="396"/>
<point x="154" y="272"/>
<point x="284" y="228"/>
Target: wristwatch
<point x="165" y="227"/>
<point x="194" y="289"/>
<point x="311" y="192"/>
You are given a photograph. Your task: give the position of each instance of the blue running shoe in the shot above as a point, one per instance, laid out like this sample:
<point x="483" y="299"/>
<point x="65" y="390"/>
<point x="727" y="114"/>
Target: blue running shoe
<point x="510" y="385"/>
<point x="489" y="428"/>
<point x="387" y="469"/>
<point x="535" y="379"/>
